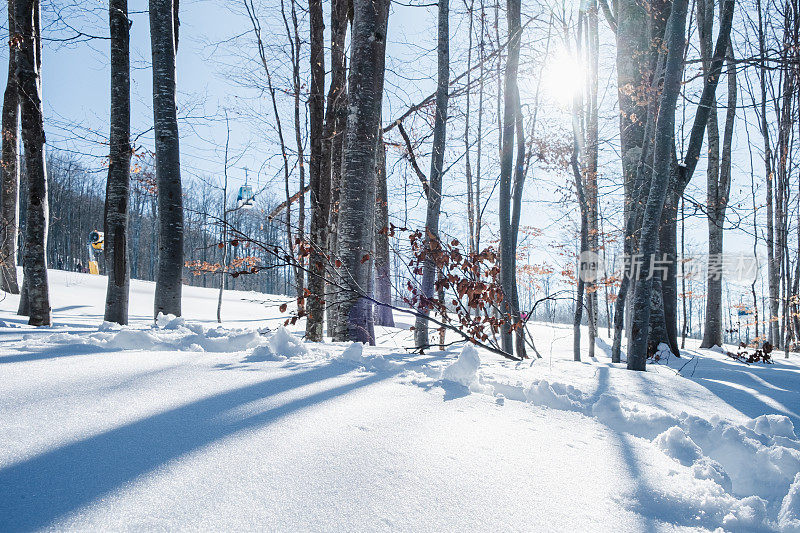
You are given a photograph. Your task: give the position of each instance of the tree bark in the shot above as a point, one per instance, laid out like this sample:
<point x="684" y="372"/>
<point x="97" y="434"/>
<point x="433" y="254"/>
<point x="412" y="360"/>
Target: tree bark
<point x="9" y="198"/>
<point x="295" y="45"/>
<point x="357" y="200"/>
<point x="335" y="122"/>
<point x="164" y="44"/>
<point x="592" y="154"/>
<point x="509" y="125"/>
<point x="662" y="174"/>
<point x="383" y="278"/>
<point x="635" y="34"/>
<point x="718" y="180"/>
<point x="421" y="337"/>
<point x="27" y="17"/>
<point x="320" y="180"/>
<point x="118" y="185"/>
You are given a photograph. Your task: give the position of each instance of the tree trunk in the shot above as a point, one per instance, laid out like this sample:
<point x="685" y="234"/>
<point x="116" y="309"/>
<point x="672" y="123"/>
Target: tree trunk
<point x="320" y="180"/>
<point x="509" y="124"/>
<point x="27" y="17"/>
<point x="634" y="207"/>
<point x="164" y="44"/>
<point x="357" y="200"/>
<point x="335" y="122"/>
<point x="117" y="188"/>
<point x="662" y="174"/>
<point x="516" y="212"/>
<point x="718" y="181"/>
<point x="421" y="337"/>
<point x="634" y="76"/>
<point x="592" y="153"/>
<point x="9" y="197"/>
<point x="383" y="278"/>
<point x="337" y="151"/>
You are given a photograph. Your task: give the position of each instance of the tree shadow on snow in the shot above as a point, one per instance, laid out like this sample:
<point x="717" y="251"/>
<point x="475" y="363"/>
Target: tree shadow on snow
<point x="40" y="490"/>
<point x="54" y="352"/>
<point x="452" y="390"/>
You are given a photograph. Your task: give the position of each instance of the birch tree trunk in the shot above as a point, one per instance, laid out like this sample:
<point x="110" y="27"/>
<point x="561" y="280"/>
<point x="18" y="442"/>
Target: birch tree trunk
<point x="357" y="200"/>
<point x="421" y="337"/>
<point x="9" y="196"/>
<point x="117" y="188"/>
<point x="29" y="82"/>
<point x="320" y="180"/>
<point x="164" y="43"/>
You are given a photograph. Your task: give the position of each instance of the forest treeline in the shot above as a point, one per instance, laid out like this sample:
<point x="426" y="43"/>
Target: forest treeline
<point x="696" y="89"/>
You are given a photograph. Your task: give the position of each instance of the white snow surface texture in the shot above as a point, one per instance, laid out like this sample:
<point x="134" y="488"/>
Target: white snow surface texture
<point x="186" y="424"/>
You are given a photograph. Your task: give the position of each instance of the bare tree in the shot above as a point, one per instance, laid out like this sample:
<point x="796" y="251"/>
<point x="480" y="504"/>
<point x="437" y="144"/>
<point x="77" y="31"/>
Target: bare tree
<point x="383" y="275"/>
<point x="335" y="122"/>
<point x="164" y="42"/>
<point x="9" y="195"/>
<point x="718" y="177"/>
<point x="357" y="200"/>
<point x="510" y="127"/>
<point x="320" y="180"/>
<point x="662" y="168"/>
<point x="421" y="338"/>
<point x="118" y="185"/>
<point x="29" y="83"/>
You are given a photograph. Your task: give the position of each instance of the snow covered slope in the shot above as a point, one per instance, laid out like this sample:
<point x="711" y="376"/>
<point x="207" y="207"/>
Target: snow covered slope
<point x="188" y="425"/>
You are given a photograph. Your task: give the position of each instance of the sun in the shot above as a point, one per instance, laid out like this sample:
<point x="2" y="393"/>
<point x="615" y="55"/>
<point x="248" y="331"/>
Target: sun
<point x="564" y="77"/>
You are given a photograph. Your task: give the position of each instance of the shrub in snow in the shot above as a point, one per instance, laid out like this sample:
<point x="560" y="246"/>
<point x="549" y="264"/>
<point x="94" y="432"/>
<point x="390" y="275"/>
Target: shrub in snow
<point x="464" y="369"/>
<point x="285" y="344"/>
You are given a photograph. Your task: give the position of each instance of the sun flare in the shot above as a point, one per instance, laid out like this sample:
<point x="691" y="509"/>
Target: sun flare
<point x="564" y="77"/>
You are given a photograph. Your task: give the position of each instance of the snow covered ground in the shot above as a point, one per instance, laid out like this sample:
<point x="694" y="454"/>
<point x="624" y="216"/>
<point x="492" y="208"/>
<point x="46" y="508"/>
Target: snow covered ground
<point x="189" y="425"/>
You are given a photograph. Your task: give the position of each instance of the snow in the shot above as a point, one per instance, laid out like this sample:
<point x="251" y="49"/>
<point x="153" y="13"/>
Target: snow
<point x="675" y="443"/>
<point x="183" y="423"/>
<point x="789" y="515"/>
<point x="285" y="344"/>
<point x="464" y="369"/>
